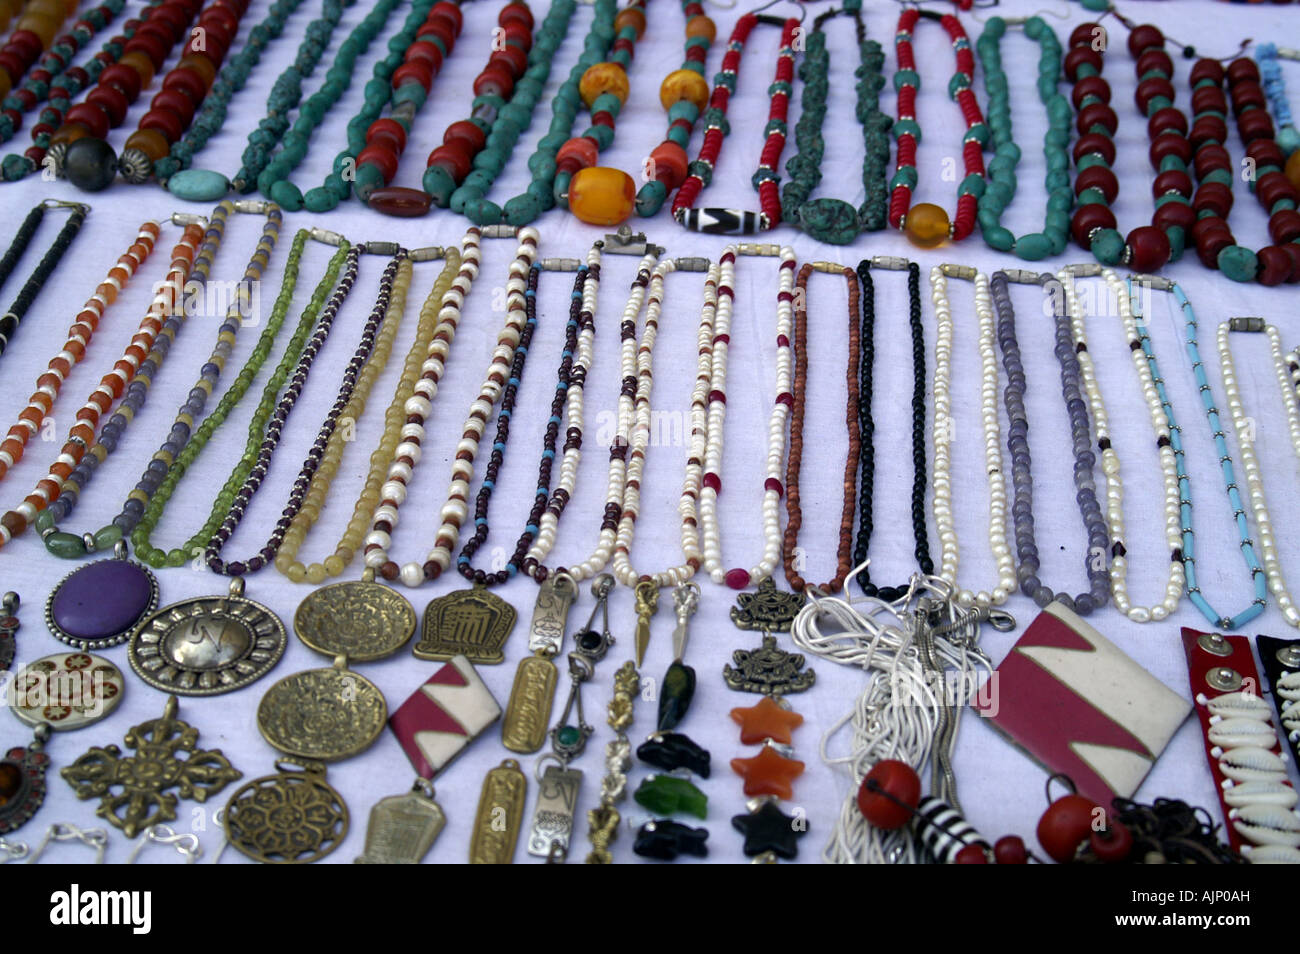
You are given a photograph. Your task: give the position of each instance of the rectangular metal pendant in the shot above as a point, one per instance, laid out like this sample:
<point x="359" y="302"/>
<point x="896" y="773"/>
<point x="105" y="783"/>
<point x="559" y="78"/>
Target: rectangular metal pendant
<point x="557" y="800"/>
<point x="529" y="710"/>
<point x="550" y="614"/>
<point x="500" y="813"/>
<point x="402" y="829"/>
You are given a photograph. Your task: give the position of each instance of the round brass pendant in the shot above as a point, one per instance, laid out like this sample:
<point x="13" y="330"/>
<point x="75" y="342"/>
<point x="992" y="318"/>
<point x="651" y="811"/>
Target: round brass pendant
<point x="323" y="714"/>
<point x="66" y="691"/>
<point x="361" y="620"/>
<point x="291" y="818"/>
<point x="208" y="645"/>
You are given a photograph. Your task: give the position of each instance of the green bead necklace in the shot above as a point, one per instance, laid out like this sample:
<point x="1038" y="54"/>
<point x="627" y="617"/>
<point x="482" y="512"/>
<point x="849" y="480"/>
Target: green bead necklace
<point x="1002" y="167"/>
<point x="540" y="195"/>
<point x="833" y="220"/>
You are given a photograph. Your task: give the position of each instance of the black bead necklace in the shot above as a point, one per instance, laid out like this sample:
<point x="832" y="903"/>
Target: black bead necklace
<point x="12" y="318"/>
<point x="866" y="425"/>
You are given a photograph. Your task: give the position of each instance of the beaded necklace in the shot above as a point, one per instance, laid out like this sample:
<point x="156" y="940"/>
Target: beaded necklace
<point x="683" y="94"/>
<point x="54" y="65"/>
<point x="170" y="458"/>
<point x="717" y="221"/>
<point x="1245" y="428"/>
<point x="1110" y="462"/>
<point x="739" y="578"/>
<point x="22" y="238"/>
<point x="1215" y="245"/>
<point x="1027" y="562"/>
<point x="867" y="426"/>
<point x="1266" y="55"/>
<point x="1002" y="169"/>
<point x="73" y="81"/>
<point x="945" y="430"/>
<point x="1147" y="248"/>
<point x="172" y="131"/>
<point x="452" y="513"/>
<point x="388" y="307"/>
<point x="1188" y="548"/>
<point x="73" y="349"/>
<point x="425" y="361"/>
<point x="56" y="494"/>
<point x="37" y="30"/>
<point x="834" y="220"/>
<point x="927" y="225"/>
<point x="17" y="311"/>
<point x="793" y="506"/>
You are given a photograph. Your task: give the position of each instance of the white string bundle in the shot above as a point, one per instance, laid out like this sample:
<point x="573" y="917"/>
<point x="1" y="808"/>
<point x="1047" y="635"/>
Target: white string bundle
<point x="901" y="708"/>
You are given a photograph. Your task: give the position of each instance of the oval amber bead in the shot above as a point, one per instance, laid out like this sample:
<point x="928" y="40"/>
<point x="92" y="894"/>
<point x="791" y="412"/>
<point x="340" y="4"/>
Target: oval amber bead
<point x="926" y="225"/>
<point x="149" y="141"/>
<point x="602" y="196"/>
<point x="603" y="78"/>
<point x="1293" y="169"/>
<point x="700" y="25"/>
<point x="141" y="64"/>
<point x="685" y="85"/>
<point x="630" y="16"/>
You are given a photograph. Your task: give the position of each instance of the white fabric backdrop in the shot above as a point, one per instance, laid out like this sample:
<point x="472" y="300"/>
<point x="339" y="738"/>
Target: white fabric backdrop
<point x="1000" y="787"/>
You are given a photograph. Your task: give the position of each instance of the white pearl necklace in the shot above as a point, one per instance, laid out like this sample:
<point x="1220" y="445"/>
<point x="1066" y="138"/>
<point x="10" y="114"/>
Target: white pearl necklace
<point x="456" y="508"/>
<point x="1110" y="464"/>
<point x="944" y="425"/>
<point x="1244" y="427"/>
<point x="738" y="578"/>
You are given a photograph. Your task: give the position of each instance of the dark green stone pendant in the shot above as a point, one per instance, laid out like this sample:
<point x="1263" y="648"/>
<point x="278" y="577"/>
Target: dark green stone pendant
<point x="678" y="691"/>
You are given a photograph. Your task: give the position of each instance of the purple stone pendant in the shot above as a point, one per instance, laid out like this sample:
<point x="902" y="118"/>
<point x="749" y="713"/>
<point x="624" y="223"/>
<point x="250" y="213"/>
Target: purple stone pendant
<point x="22" y="781"/>
<point x="101" y="604"/>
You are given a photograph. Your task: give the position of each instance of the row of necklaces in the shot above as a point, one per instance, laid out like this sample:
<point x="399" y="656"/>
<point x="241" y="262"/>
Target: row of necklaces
<point x="1189" y="156"/>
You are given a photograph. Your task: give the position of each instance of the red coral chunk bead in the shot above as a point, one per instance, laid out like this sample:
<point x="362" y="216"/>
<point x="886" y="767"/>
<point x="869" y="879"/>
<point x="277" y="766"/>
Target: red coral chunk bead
<point x="889" y="782"/>
<point x="1010" y="850"/>
<point x="1065" y="825"/>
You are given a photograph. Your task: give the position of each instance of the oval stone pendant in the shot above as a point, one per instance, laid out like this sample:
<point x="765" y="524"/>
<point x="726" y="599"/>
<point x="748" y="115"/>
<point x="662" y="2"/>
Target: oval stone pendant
<point x="101" y="604"/>
<point x="22" y="782"/>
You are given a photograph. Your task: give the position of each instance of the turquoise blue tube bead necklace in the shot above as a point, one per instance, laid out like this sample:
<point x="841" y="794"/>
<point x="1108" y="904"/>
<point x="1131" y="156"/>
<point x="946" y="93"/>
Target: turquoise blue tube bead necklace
<point x="1270" y="70"/>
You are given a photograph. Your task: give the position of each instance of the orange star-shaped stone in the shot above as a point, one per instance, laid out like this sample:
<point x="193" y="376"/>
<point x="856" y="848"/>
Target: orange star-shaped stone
<point x="767" y="720"/>
<point x="768" y="773"/>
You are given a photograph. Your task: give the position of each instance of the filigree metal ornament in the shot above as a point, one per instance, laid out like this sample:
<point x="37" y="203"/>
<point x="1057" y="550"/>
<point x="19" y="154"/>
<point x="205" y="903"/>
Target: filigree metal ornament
<point x="22" y="782"/>
<point x="359" y="619"/>
<point x="474" y="623"/>
<point x="208" y="645"/>
<point x="8" y="626"/>
<point x="768" y="670"/>
<point x="102" y="603"/>
<point x="403" y="827"/>
<point x="134" y="789"/>
<point x="291" y="818"/>
<point x="66" y="691"/>
<point x="769" y="609"/>
<point x="500" y="813"/>
<point x="323" y="714"/>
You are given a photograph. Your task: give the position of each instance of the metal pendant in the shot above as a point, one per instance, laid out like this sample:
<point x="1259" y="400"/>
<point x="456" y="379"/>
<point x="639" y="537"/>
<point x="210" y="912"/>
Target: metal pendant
<point x="22" y="782"/>
<point x="474" y="623"/>
<point x="8" y="626"/>
<point x="66" y="691"/>
<point x="768" y="670"/>
<point x="451" y="709"/>
<point x="403" y="827"/>
<point x="134" y="789"/>
<point x="500" y="814"/>
<point x="529" y="710"/>
<point x="323" y="714"/>
<point x="557" y="800"/>
<point x="292" y="818"/>
<point x="359" y="619"/>
<point x="769" y="609"/>
<point x="208" y="645"/>
<point x="101" y="604"/>
<point x="550" y="614"/>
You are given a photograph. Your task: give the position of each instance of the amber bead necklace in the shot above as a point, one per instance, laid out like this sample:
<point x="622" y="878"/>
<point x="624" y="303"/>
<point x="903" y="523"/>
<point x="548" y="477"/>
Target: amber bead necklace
<point x="790" y="550"/>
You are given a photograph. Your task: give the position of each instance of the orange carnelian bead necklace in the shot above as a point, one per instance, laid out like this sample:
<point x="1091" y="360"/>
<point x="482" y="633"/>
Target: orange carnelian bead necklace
<point x="73" y="349"/>
<point x="927" y="225"/>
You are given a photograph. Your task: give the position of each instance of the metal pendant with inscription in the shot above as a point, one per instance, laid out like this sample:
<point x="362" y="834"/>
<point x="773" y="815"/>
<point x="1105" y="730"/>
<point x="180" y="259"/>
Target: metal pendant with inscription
<point x="208" y="645"/>
<point x="323" y="714"/>
<point x="403" y="827"/>
<point x="557" y="800"/>
<point x="475" y="623"/>
<point x="359" y="619"/>
<point x="500" y="814"/>
<point x="293" y="817"/>
<point x="555" y="596"/>
<point x="529" y="710"/>
<point x="66" y="691"/>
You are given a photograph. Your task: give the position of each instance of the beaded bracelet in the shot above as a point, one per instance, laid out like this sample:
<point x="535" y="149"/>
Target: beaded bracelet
<point x="1215" y="245"/>
<point x="1056" y="141"/>
<point x="22" y="238"/>
<point x="927" y="225"/>
<point x="55" y="495"/>
<point x="73" y="349"/>
<point x="1191" y="332"/>
<point x="833" y="220"/>
<point x="425" y="360"/>
<point x="1013" y="395"/>
<point x="12" y="318"/>
<point x="1266" y="55"/>
<point x="718" y="221"/>
<point x="683" y="94"/>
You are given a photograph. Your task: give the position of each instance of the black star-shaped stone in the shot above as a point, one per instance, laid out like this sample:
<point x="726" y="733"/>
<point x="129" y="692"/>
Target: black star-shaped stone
<point x="767" y="828"/>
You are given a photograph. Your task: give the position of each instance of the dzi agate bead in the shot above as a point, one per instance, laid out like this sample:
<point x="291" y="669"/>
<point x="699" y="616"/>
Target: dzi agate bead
<point x="927" y="225"/>
<point x="599" y="195"/>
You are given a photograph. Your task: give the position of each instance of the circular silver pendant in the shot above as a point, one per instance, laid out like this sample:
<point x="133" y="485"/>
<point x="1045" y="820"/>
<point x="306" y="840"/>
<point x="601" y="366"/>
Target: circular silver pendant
<point x="100" y="604"/>
<point x="323" y="714"/>
<point x="208" y="645"/>
<point x="361" y="620"/>
<point x="66" y="691"/>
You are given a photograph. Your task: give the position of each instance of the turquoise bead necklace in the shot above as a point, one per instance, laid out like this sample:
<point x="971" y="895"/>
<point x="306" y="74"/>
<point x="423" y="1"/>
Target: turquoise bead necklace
<point x="1246" y="545"/>
<point x="204" y="185"/>
<point x="833" y="220"/>
<point x="1270" y="70"/>
<point x="1056" y="141"/>
<point x="471" y="197"/>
